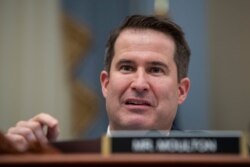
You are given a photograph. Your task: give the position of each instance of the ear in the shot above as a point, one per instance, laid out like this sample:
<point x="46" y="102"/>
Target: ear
<point x="184" y="87"/>
<point x="104" y="79"/>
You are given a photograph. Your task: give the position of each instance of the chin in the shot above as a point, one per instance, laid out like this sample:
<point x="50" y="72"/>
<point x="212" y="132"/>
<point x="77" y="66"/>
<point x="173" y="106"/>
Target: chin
<point x="137" y="125"/>
<point x="135" y="122"/>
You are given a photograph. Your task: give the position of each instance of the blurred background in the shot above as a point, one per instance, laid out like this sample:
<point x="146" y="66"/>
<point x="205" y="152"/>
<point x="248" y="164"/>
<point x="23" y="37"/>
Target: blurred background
<point x="52" y="52"/>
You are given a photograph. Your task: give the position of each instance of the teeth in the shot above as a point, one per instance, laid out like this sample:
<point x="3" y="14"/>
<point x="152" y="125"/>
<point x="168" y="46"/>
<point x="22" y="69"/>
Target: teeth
<point x="135" y="102"/>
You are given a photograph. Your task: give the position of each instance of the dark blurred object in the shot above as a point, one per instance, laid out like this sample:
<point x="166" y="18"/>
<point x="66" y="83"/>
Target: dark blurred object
<point x="6" y="147"/>
<point x="78" y="146"/>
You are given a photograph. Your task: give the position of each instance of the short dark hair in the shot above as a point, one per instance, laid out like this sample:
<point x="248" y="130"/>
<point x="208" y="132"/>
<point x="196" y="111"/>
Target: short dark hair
<point x="159" y="23"/>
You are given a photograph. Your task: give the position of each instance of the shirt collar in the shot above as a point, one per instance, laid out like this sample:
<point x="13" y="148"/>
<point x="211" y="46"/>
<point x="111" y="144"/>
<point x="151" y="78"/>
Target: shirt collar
<point x="165" y="133"/>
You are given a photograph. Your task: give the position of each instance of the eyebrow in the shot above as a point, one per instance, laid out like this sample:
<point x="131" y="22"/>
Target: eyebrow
<point x="124" y="61"/>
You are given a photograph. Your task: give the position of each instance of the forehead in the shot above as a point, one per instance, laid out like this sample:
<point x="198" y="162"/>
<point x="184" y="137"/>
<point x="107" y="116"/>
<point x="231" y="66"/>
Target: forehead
<point x="144" y="41"/>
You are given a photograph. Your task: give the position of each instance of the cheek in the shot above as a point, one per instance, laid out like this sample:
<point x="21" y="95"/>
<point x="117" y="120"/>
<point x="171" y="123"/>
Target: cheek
<point x="117" y="85"/>
<point x="166" y="90"/>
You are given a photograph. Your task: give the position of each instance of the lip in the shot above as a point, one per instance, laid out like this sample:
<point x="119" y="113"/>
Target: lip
<point x="137" y="104"/>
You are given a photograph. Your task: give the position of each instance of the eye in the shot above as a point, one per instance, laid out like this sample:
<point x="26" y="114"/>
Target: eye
<point x="126" y="68"/>
<point x="156" y="70"/>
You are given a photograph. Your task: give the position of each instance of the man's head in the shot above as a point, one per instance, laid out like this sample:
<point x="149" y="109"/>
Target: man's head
<point x="145" y="76"/>
<point x="158" y="23"/>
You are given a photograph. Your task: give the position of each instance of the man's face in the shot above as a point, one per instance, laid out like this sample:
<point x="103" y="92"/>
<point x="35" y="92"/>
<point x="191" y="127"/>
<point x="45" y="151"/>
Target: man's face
<point x="141" y="90"/>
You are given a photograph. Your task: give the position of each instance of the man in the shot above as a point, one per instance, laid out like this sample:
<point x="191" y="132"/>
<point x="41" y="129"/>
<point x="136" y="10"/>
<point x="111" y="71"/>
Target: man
<point x="144" y="80"/>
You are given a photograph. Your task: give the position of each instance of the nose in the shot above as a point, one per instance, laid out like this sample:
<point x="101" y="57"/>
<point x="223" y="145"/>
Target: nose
<point x="140" y="82"/>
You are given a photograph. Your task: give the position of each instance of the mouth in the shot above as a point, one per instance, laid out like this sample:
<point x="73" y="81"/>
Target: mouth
<point x="138" y="102"/>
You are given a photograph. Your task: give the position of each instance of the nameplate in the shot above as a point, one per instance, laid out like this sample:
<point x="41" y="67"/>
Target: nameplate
<point x="183" y="143"/>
